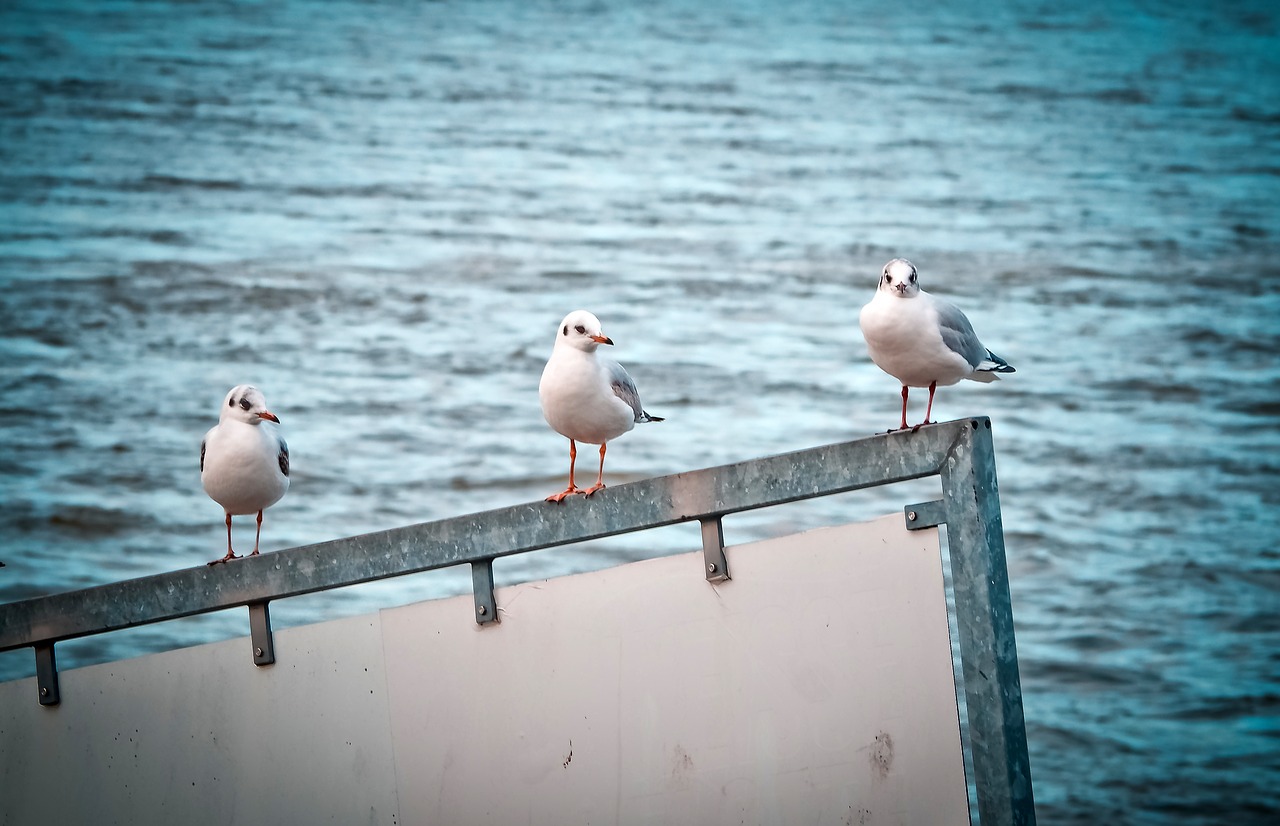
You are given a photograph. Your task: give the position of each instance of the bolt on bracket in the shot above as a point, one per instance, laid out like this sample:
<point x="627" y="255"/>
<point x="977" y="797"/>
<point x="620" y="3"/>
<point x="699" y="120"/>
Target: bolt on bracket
<point x="713" y="556"/>
<point x="925" y="515"/>
<point x="482" y="584"/>
<point x="47" y="675"/>
<point x="264" y="649"/>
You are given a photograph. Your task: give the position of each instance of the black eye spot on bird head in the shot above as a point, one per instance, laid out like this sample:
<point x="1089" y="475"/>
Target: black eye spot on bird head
<point x="231" y="402"/>
<point x="565" y="331"/>
<point x="244" y="403"/>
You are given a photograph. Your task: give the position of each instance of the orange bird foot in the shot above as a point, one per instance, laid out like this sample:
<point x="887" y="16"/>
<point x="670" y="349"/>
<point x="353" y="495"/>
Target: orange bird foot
<point x="560" y="497"/>
<point x="597" y="486"/>
<point x="230" y="555"/>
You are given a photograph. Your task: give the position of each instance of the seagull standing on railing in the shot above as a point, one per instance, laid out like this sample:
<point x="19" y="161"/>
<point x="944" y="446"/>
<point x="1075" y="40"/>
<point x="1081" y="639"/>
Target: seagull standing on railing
<point x="585" y="398"/>
<point x="920" y="340"/>
<point x="244" y="464"/>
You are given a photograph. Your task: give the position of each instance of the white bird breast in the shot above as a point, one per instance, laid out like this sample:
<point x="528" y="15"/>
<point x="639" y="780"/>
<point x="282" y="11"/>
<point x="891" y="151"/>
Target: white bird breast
<point x="904" y="340"/>
<point x="579" y="403"/>
<point x="242" y="468"/>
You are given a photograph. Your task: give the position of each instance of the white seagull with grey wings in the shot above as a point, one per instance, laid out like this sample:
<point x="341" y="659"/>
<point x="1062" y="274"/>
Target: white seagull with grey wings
<point x="244" y="463"/>
<point x="585" y="398"/>
<point x="920" y="340"/>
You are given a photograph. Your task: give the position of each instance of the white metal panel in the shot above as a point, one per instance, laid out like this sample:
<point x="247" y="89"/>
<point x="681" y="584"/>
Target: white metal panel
<point x="201" y="735"/>
<point x="815" y="687"/>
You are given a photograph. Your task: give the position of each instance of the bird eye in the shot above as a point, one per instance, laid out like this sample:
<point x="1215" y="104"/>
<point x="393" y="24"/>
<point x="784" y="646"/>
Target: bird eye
<point x="244" y="404"/>
<point x="580" y="329"/>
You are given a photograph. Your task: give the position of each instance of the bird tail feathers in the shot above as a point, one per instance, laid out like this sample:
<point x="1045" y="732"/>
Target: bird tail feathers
<point x="994" y="364"/>
<point x="990" y="366"/>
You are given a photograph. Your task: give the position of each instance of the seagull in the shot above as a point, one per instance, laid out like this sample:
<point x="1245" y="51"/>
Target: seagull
<point x="244" y="466"/>
<point x="920" y="340"/>
<point x="584" y="398"/>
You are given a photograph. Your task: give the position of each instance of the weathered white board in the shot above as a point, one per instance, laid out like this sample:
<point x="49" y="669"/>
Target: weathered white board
<point x="815" y="687"/>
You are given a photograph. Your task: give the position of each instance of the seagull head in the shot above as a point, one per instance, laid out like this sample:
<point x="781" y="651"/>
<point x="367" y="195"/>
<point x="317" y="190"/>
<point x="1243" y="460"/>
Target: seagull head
<point x="245" y="403"/>
<point x="581" y="331"/>
<point x="898" y="278"/>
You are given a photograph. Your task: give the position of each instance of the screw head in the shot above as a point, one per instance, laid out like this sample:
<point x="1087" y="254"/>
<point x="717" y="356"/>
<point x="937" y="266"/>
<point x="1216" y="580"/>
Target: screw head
<point x="911" y="516"/>
<point x="257" y="652"/>
<point x="711" y="567"/>
<point x="482" y="610"/>
<point x="44" y="691"/>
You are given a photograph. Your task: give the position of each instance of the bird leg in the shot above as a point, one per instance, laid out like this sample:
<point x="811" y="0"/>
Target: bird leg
<point x="230" y="553"/>
<point x="257" y="536"/>
<point x="905" y="392"/>
<point x="599" y="476"/>
<point x="933" y="387"/>
<point x="572" y="489"/>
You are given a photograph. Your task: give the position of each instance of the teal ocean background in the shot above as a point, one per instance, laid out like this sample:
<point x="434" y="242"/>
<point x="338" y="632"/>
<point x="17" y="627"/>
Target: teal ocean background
<point x="378" y="212"/>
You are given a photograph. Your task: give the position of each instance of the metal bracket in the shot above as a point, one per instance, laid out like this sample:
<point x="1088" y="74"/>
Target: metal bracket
<point x="264" y="649"/>
<point x="482" y="584"/>
<point x="926" y="515"/>
<point x="713" y="556"/>
<point x="47" y="675"/>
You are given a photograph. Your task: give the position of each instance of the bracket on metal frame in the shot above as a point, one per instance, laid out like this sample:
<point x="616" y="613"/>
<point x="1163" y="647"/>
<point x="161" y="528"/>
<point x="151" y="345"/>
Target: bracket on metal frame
<point x="47" y="675"/>
<point x="925" y="515"/>
<point x="482" y="584"/>
<point x="713" y="556"/>
<point x="264" y="649"/>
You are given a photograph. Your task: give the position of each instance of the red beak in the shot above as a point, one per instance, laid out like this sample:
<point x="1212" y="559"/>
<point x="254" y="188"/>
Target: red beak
<point x="602" y="340"/>
<point x="269" y="416"/>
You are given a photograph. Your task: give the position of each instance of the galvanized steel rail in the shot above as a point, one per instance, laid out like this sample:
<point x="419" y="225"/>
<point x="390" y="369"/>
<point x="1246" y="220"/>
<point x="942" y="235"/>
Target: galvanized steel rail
<point x="959" y="452"/>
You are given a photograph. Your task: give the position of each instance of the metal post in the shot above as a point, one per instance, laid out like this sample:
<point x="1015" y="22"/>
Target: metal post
<point x="984" y="620"/>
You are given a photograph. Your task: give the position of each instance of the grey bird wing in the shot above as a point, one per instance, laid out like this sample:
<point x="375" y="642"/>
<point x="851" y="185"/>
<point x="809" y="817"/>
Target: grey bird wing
<point x="625" y="388"/>
<point x="958" y="334"/>
<point x="283" y="458"/>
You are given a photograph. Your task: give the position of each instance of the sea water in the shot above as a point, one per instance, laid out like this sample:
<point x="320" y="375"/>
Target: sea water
<point x="378" y="212"/>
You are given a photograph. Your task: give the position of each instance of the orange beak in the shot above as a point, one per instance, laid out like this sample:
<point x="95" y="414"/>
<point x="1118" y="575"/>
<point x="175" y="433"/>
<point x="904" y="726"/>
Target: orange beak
<point x="602" y="340"/>
<point x="269" y="416"/>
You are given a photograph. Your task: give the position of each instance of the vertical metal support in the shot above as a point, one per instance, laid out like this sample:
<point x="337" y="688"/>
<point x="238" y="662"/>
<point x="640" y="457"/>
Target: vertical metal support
<point x="984" y="620"/>
<point x="482" y="584"/>
<point x="713" y="556"/>
<point x="264" y="649"/>
<point x="47" y="675"/>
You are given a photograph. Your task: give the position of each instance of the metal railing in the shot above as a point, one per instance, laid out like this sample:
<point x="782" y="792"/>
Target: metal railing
<point x="960" y="453"/>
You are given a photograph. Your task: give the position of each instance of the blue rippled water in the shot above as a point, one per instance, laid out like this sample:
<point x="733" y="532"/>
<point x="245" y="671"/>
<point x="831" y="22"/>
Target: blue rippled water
<point x="378" y="211"/>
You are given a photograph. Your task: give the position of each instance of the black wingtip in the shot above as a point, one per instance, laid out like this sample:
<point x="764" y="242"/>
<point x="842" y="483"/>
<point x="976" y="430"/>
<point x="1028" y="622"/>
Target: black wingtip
<point x="1000" y="365"/>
